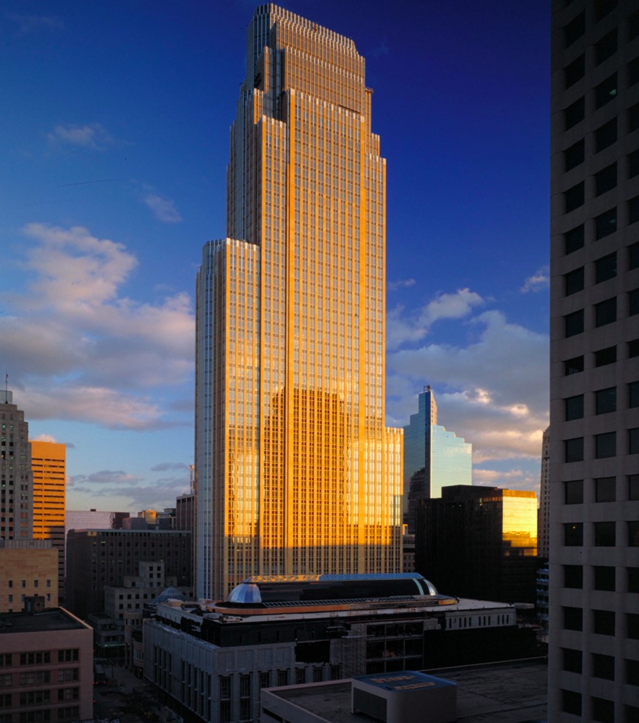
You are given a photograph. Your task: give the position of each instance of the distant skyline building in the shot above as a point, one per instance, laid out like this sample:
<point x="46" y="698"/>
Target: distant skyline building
<point x="543" y="548"/>
<point x="594" y="356"/>
<point x="296" y="471"/>
<point x="48" y="467"/>
<point x="16" y="521"/>
<point x="433" y="457"/>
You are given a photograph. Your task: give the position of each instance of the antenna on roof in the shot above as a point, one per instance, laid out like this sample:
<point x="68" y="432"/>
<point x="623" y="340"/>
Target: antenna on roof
<point x="6" y="387"/>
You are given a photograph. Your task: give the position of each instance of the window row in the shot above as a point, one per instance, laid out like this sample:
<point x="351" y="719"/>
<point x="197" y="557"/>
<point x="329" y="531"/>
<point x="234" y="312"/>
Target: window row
<point x="576" y="112"/>
<point x="601" y="709"/>
<point x="601" y="489"/>
<point x="604" y="401"/>
<point x="609" y="88"/>
<point x="605" y="445"/>
<point x="601" y="357"/>
<point x="603" y="313"/>
<point x="604" y="534"/>
<point x="603" y="181"/>
<point x="603" y="622"/>
<point x="604" y="578"/>
<point x="607" y="45"/>
<point x="602" y="269"/>
<point x="602" y="666"/>
<point x="604" y="225"/>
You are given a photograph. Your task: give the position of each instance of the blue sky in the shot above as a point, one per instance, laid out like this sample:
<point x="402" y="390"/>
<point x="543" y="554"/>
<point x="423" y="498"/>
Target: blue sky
<point x="114" y="154"/>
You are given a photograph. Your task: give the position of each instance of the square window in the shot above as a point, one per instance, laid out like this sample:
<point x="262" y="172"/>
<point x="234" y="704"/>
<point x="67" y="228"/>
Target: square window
<point x="573" y="366"/>
<point x="574" y="239"/>
<point x="575" y="71"/>
<point x="633" y="533"/>
<point x="574" y="156"/>
<point x="574" y="323"/>
<point x="574" y="281"/>
<point x="603" y="7"/>
<point x="633" y="164"/>
<point x="576" y="112"/>
<point x="574" y="407"/>
<point x="633" y="210"/>
<point x="633" y="256"/>
<point x="574" y="197"/>
<point x="573" y="618"/>
<point x="633" y="348"/>
<point x="633" y="117"/>
<point x="632" y="626"/>
<point x="633" y="579"/>
<point x="573" y="576"/>
<point x="606" y="312"/>
<point x="603" y="711"/>
<point x="574" y="29"/>
<point x="633" y="72"/>
<point x="633" y="26"/>
<point x="574" y="492"/>
<point x="603" y="666"/>
<point x="633" y="487"/>
<point x="604" y="92"/>
<point x="603" y="622"/>
<point x="573" y="534"/>
<point x="606" y="356"/>
<point x="606" y="400"/>
<point x="605" y="489"/>
<point x="606" y="135"/>
<point x="604" y="578"/>
<point x="574" y="449"/>
<point x="604" y="534"/>
<point x="571" y="660"/>
<point x="606" y="179"/>
<point x="606" y="223"/>
<point x="606" y="47"/>
<point x="571" y="702"/>
<point x="633" y="441"/>
<point x="606" y="268"/>
<point x="632" y="672"/>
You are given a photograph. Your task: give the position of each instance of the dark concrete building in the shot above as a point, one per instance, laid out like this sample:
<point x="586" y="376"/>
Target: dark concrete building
<point x="479" y="542"/>
<point x="96" y="558"/>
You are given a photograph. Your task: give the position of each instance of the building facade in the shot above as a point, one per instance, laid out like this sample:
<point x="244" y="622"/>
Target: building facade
<point x="594" y="405"/>
<point x="15" y="472"/>
<point x="97" y="558"/>
<point x="48" y="468"/>
<point x="296" y="471"/>
<point x="27" y="568"/>
<point x="433" y="457"/>
<point x="479" y="542"/>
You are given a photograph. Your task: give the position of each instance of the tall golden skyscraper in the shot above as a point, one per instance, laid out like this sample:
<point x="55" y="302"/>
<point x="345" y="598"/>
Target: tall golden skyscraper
<point x="48" y="466"/>
<point x="296" y="472"/>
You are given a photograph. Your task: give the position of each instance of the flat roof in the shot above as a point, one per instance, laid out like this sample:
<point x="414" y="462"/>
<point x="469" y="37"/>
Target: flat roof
<point x="404" y="680"/>
<point x="47" y="620"/>
<point x="496" y="693"/>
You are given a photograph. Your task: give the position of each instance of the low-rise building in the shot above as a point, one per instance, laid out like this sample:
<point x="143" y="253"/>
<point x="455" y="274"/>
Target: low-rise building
<point x="27" y="568"/>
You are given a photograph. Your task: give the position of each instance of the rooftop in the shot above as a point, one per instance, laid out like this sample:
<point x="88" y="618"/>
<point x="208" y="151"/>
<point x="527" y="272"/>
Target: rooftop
<point x="47" y="620"/>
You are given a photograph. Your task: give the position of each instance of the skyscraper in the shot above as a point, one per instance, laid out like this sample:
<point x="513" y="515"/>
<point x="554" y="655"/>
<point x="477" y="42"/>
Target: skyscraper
<point x="543" y="548"/>
<point x="15" y="471"/>
<point x="433" y="457"/>
<point x="296" y="472"/>
<point x="48" y="465"/>
<point x="594" y="406"/>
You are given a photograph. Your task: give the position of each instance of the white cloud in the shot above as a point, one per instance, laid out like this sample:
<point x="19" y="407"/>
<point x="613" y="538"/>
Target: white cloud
<point x="44" y="438"/>
<point x="79" y="349"/>
<point x="92" y="136"/>
<point x="32" y="23"/>
<point x="108" y="476"/>
<point x="162" y="208"/>
<point x="166" y="466"/>
<point x="538" y="281"/>
<point x="400" y="284"/>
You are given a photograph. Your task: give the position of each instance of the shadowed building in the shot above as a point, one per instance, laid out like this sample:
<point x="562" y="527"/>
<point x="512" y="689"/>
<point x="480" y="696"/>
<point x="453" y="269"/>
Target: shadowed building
<point x="296" y="471"/>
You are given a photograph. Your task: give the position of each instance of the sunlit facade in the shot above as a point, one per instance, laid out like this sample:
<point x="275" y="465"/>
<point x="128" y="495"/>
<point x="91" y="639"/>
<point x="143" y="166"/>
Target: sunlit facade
<point x="296" y="472"/>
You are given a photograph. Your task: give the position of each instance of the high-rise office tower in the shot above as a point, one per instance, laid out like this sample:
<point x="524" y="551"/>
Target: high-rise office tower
<point x="594" y="414"/>
<point x="48" y="466"/>
<point x="543" y="549"/>
<point x="15" y="471"/>
<point x="296" y="472"/>
<point x="433" y="457"/>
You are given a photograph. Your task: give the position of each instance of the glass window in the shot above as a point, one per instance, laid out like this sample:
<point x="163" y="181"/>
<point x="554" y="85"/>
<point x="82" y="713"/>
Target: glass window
<point x="574" y="197"/>
<point x="573" y="366"/>
<point x="633" y="26"/>
<point x="575" y="71"/>
<point x="632" y="626"/>
<point x="574" y="156"/>
<point x="633" y="579"/>
<point x="632" y="673"/>
<point x="574" y="449"/>
<point x="574" y="239"/>
<point x="606" y="356"/>
<point x="574" y="29"/>
<point x="604" y="534"/>
<point x="603" y="711"/>
<point x="574" y="407"/>
<point x="576" y="112"/>
<point x="633" y="72"/>
<point x="574" y="492"/>
<point x="633" y="348"/>
<point x="606" y="179"/>
<point x="633" y="164"/>
<point x="633" y="210"/>
<point x="606" y="268"/>
<point x="633" y="302"/>
<point x="606" y="47"/>
<point x="606" y="223"/>
<point x="603" y="7"/>
<point x="603" y="622"/>
<point x="604" y="92"/>
<point x="605" y="489"/>
<point x="573" y="534"/>
<point x="633" y="533"/>
<point x="573" y="576"/>
<point x="606" y="400"/>
<point x="633" y="117"/>
<point x="572" y="660"/>
<point x="606" y="312"/>
<point x="571" y="702"/>
<point x="633" y="441"/>
<point x="605" y="445"/>
<point x="574" y="281"/>
<point x="603" y="666"/>
<point x="574" y="323"/>
<point x="606" y="135"/>
<point x="604" y="577"/>
<point x="633" y="487"/>
<point x="573" y="618"/>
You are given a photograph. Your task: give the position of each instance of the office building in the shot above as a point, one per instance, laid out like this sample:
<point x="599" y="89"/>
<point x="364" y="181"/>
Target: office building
<point x="594" y="346"/>
<point x="48" y="468"/>
<point x="212" y="660"/>
<point x="94" y="520"/>
<point x="479" y="542"/>
<point x="433" y="457"/>
<point x="15" y="472"/>
<point x="97" y="558"/>
<point x="543" y="547"/>
<point x="27" y="568"/>
<point x="296" y="471"/>
<point x="46" y="666"/>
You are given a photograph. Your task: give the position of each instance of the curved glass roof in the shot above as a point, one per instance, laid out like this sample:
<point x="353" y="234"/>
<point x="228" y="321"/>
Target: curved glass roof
<point x="265" y="590"/>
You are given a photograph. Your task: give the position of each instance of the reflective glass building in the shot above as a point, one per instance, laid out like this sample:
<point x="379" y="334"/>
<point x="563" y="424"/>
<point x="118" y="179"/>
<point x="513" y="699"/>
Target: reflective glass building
<point x="296" y="471"/>
<point x="433" y="457"/>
